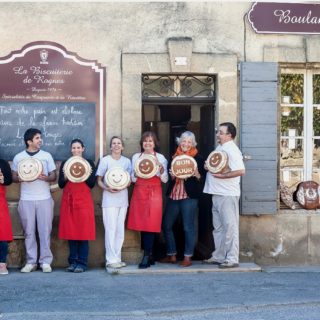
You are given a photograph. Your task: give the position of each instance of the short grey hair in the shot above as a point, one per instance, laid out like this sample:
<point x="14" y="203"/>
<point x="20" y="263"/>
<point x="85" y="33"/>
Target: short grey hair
<point x="189" y="135"/>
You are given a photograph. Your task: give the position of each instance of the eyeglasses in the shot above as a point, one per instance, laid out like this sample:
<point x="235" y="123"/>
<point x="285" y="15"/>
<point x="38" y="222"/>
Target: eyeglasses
<point x="221" y="133"/>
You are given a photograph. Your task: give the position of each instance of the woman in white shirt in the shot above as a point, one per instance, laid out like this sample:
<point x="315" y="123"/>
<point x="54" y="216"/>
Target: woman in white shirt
<point x="145" y="212"/>
<point x="114" y="203"/>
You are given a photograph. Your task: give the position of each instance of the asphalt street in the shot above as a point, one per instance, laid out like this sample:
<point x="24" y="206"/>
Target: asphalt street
<point x="273" y="294"/>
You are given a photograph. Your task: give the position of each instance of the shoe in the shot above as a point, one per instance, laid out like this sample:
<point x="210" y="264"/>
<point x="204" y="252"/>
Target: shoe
<point x="186" y="262"/>
<point x="123" y="264"/>
<point x="29" y="268"/>
<point x="3" y="268"/>
<point x="169" y="259"/>
<point x="71" y="268"/>
<point x="227" y="264"/>
<point x="79" y="269"/>
<point x="145" y="263"/>
<point x="151" y="260"/>
<point x="211" y="261"/>
<point x="115" y="265"/>
<point x="46" y="268"/>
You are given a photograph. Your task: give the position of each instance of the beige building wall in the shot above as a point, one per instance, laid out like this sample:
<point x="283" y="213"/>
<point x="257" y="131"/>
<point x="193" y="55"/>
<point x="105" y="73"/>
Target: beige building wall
<point x="135" y="38"/>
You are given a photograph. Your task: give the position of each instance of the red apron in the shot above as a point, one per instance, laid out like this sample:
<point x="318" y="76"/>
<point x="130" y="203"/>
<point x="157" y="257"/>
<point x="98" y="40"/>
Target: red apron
<point x="145" y="211"/>
<point x="77" y="221"/>
<point x="5" y="221"/>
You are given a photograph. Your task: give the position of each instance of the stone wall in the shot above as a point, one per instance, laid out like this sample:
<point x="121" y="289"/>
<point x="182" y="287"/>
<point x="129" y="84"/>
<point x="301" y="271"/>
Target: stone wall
<point x="132" y="38"/>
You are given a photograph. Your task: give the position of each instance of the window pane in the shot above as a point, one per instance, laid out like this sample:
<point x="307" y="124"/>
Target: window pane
<point x="316" y="121"/>
<point x="291" y="121"/>
<point x="292" y="86"/>
<point x="291" y="153"/>
<point x="316" y="89"/>
<point x="316" y="176"/>
<point x="291" y="178"/>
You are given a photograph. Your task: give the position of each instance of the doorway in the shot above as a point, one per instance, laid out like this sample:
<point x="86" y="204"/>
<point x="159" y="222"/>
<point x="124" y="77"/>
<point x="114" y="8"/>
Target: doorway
<point x="168" y="121"/>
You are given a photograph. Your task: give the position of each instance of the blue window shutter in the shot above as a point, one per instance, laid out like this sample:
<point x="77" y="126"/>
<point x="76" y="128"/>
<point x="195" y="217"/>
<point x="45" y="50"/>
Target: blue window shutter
<point x="258" y="136"/>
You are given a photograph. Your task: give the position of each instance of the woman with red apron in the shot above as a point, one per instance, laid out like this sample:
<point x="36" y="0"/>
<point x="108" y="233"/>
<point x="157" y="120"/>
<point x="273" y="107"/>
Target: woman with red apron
<point x="145" y="212"/>
<point x="5" y="221"/>
<point x="77" y="221"/>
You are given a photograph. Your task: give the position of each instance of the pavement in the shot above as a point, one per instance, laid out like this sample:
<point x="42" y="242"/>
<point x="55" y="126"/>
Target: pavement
<point x="206" y="293"/>
<point x="197" y="267"/>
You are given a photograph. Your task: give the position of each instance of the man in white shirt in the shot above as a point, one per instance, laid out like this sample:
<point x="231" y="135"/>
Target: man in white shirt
<point x="36" y="204"/>
<point x="225" y="190"/>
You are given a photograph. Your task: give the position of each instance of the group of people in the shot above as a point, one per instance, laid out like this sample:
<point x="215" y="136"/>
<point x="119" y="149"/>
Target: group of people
<point x="77" y="220"/>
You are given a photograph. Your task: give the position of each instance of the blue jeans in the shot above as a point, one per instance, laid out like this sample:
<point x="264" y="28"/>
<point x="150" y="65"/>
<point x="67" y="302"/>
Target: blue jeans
<point x="79" y="250"/>
<point x="3" y="251"/>
<point x="188" y="209"/>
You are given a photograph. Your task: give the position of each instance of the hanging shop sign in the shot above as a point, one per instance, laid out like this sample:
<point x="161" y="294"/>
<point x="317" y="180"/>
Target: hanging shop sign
<point x="296" y="18"/>
<point x="47" y="87"/>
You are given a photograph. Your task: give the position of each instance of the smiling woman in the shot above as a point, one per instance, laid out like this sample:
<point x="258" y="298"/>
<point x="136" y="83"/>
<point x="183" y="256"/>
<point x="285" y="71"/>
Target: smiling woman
<point x="145" y="212"/>
<point x="77" y="222"/>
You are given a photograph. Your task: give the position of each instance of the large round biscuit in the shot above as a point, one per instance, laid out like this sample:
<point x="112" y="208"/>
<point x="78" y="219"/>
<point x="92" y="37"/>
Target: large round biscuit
<point x="29" y="169"/>
<point x="77" y="169"/>
<point x="146" y="166"/>
<point x="217" y="161"/>
<point x="183" y="166"/>
<point x="117" y="178"/>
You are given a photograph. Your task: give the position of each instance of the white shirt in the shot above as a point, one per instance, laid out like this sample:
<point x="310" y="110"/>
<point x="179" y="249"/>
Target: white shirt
<point x="38" y="189"/>
<point x="230" y="186"/>
<point x="117" y="199"/>
<point x="164" y="177"/>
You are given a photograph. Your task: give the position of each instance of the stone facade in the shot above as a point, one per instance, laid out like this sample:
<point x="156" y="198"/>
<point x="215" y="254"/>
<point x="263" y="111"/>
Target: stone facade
<point x="135" y="38"/>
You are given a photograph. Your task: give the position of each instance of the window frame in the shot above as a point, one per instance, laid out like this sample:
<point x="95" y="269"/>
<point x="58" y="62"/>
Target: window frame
<point x="308" y="106"/>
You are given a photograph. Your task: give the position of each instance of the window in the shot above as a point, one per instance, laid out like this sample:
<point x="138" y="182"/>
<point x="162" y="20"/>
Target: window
<point x="178" y="87"/>
<point x="300" y="126"/>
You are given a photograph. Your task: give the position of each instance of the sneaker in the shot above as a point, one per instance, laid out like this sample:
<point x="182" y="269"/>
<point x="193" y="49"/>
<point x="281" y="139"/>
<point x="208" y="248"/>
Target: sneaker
<point x="227" y="264"/>
<point x="114" y="265"/>
<point x="46" y="268"/>
<point x="29" y="268"/>
<point x="71" y="268"/>
<point x="79" y="269"/>
<point x="211" y="261"/>
<point x="3" y="268"/>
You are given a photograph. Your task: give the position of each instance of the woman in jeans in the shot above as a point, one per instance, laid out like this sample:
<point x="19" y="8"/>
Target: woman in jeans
<point x="183" y="195"/>
<point x="77" y="221"/>
<point x="5" y="222"/>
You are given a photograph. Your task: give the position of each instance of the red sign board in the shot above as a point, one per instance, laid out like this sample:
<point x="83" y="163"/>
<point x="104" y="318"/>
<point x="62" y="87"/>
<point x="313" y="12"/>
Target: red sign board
<point x="296" y="18"/>
<point x="45" y="86"/>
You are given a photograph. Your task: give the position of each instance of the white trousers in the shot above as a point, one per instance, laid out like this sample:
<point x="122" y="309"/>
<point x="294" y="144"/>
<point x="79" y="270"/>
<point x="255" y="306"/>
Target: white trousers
<point x="37" y="215"/>
<point x="113" y="220"/>
<point x="225" y="218"/>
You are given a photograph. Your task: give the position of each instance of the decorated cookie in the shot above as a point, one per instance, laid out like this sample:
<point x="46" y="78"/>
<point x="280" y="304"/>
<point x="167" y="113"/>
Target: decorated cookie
<point x="77" y="169"/>
<point x="308" y="194"/>
<point x="183" y="166"/>
<point x="146" y="166"/>
<point x="217" y="162"/>
<point x="117" y="178"/>
<point x="29" y="169"/>
<point x="286" y="196"/>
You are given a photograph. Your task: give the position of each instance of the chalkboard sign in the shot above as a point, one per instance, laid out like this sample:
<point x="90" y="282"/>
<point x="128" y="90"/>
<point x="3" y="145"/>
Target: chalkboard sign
<point x="59" y="122"/>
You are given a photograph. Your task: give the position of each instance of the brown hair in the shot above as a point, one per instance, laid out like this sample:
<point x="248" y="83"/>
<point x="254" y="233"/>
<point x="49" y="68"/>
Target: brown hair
<point x="116" y="137"/>
<point x="146" y="135"/>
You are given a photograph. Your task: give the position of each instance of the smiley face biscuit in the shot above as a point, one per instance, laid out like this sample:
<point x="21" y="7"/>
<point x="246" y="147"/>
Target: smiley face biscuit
<point x="146" y="166"/>
<point x="217" y="162"/>
<point x="77" y="169"/>
<point x="29" y="169"/>
<point x="183" y="166"/>
<point x="117" y="178"/>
